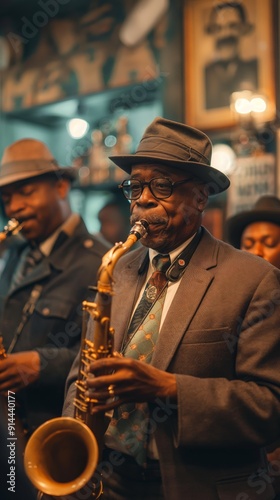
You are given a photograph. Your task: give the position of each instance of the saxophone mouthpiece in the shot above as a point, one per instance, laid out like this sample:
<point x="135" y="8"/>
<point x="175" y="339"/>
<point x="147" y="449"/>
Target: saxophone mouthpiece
<point x="140" y="228"/>
<point x="145" y="223"/>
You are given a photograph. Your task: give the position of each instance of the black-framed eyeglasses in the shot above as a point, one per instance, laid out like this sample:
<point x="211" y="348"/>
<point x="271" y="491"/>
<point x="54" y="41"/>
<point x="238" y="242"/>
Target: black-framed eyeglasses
<point x="160" y="187"/>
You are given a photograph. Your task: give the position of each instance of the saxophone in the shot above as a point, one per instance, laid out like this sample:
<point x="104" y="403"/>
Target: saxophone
<point x="12" y="227"/>
<point x="20" y="430"/>
<point x="61" y="456"/>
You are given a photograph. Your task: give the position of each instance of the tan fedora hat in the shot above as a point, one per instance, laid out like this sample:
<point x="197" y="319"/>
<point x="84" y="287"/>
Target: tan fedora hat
<point x="27" y="158"/>
<point x="179" y="146"/>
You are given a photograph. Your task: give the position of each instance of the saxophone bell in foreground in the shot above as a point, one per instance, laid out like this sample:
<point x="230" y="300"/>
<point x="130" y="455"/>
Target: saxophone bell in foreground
<point x="62" y="455"/>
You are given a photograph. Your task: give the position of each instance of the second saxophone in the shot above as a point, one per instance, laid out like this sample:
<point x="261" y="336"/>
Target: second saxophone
<point x="12" y="227"/>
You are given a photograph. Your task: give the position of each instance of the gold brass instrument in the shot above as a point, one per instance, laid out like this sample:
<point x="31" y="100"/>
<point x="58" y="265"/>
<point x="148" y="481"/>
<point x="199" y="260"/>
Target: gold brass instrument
<point x="20" y="430"/>
<point x="61" y="456"/>
<point x="3" y="354"/>
<point x="12" y="227"/>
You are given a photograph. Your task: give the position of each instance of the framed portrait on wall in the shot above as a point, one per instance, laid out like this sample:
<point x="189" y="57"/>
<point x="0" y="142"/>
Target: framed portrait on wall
<point x="228" y="49"/>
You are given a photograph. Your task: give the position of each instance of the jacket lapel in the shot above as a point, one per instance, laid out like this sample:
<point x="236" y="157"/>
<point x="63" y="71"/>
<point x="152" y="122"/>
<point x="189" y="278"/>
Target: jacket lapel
<point x="57" y="260"/>
<point x="194" y="284"/>
<point x="126" y="294"/>
<point x="41" y="271"/>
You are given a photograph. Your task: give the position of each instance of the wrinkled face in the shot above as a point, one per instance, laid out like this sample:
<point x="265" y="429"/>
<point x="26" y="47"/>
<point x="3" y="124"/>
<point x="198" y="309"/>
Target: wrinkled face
<point x="263" y="239"/>
<point x="37" y="204"/>
<point x="174" y="219"/>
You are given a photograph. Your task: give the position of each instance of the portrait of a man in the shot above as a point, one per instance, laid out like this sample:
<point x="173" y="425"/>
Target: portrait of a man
<point x="228" y="71"/>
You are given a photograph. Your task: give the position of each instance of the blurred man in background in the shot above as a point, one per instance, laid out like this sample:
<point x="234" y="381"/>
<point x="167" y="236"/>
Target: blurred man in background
<point x="114" y="220"/>
<point x="45" y="279"/>
<point x="258" y="231"/>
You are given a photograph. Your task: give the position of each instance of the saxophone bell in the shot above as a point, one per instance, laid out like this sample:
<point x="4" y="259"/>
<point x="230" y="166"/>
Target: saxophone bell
<point x="61" y="456"/>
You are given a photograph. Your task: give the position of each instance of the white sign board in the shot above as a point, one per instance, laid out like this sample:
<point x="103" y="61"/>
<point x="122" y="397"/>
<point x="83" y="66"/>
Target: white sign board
<point x="254" y="176"/>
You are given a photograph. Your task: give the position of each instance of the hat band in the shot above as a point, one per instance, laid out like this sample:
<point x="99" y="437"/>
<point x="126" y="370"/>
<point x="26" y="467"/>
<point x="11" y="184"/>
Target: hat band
<point x="28" y="166"/>
<point x="168" y="149"/>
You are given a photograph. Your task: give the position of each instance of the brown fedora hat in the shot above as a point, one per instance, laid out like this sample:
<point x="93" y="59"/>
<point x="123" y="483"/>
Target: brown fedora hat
<point x="179" y="146"/>
<point x="266" y="209"/>
<point x="27" y="158"/>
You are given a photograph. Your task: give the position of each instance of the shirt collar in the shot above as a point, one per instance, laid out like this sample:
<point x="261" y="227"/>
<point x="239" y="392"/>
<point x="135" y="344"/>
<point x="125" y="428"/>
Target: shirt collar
<point x="67" y="227"/>
<point x="174" y="253"/>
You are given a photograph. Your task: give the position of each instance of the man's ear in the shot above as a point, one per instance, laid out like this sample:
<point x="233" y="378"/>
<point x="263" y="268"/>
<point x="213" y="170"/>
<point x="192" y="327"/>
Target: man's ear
<point x="202" y="196"/>
<point x="63" y="187"/>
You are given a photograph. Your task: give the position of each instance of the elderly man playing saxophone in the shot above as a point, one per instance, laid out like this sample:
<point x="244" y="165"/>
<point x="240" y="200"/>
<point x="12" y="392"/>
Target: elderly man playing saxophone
<point x="195" y="393"/>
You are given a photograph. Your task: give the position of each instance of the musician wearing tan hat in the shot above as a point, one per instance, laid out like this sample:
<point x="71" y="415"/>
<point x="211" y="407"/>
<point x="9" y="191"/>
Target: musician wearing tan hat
<point x="195" y="396"/>
<point x="46" y="277"/>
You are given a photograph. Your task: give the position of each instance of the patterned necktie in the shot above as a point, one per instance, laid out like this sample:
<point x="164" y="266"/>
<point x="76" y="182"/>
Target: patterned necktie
<point x="29" y="258"/>
<point x="144" y="327"/>
<point x="129" y="420"/>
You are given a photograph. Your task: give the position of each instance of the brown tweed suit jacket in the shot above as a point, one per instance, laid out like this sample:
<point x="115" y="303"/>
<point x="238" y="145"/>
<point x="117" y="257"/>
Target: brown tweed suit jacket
<point x="221" y="337"/>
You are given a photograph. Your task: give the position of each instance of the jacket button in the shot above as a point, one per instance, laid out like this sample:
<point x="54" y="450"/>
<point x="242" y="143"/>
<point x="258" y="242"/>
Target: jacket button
<point x="46" y="311"/>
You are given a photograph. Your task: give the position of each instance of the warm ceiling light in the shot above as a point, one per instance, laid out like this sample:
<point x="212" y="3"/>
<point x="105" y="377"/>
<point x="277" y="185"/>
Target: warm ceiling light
<point x="77" y="127"/>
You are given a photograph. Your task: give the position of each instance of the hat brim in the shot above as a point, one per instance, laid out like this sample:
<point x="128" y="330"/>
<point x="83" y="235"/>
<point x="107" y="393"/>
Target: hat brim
<point x="215" y="179"/>
<point x="65" y="172"/>
<point x="235" y="225"/>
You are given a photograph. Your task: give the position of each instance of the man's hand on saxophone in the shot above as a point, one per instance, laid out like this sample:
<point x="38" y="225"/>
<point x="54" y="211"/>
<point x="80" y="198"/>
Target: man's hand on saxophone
<point x="130" y="380"/>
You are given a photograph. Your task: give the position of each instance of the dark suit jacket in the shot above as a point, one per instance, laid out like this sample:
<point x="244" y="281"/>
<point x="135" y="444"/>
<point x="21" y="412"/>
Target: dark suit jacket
<point x="54" y="328"/>
<point x="221" y="338"/>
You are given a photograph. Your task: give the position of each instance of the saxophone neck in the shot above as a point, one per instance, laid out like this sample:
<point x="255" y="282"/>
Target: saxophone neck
<point x="110" y="259"/>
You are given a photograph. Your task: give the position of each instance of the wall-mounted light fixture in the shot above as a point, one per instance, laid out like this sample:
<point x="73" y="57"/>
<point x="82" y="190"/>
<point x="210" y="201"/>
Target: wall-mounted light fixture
<point x="250" y="109"/>
<point x="248" y="103"/>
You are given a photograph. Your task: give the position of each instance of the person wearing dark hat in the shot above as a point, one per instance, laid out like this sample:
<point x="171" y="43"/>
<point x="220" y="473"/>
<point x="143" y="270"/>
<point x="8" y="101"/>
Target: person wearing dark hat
<point x="228" y="72"/>
<point x="192" y="387"/>
<point x="258" y="230"/>
<point x="46" y="277"/>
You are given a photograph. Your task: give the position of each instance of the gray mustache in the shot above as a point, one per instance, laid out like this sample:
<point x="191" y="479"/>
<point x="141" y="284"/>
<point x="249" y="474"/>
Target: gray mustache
<point x="152" y="219"/>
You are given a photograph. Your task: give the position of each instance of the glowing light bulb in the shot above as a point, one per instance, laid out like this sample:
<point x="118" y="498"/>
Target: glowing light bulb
<point x="77" y="127"/>
<point x="258" y="104"/>
<point x="242" y="106"/>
